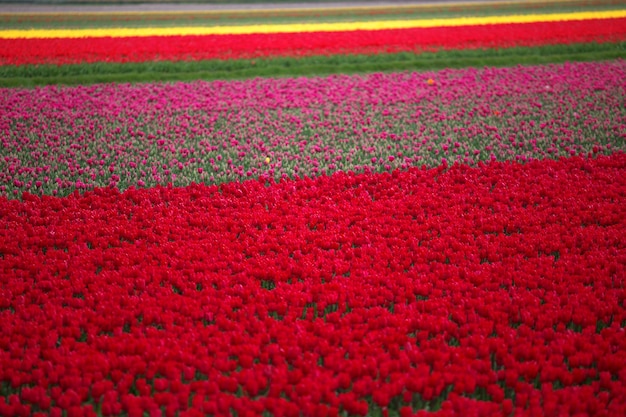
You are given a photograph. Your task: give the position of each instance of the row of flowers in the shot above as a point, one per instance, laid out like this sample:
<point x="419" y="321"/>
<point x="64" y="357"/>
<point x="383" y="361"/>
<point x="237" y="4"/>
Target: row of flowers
<point x="60" y="139"/>
<point x="176" y="48"/>
<point x="304" y="27"/>
<point x="495" y="289"/>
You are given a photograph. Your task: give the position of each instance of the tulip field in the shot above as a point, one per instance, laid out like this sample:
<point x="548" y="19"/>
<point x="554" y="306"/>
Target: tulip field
<point x="410" y="210"/>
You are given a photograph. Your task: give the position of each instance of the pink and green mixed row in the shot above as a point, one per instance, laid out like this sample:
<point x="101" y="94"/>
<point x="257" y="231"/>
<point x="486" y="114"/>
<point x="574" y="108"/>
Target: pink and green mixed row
<point x="60" y="139"/>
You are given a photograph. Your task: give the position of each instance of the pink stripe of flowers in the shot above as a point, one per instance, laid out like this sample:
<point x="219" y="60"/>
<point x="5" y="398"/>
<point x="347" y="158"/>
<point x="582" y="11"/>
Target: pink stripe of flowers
<point x="60" y="139"/>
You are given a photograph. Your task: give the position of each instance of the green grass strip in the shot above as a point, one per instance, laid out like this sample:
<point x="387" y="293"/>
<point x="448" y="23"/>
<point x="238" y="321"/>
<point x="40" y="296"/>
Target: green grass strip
<point x="97" y="20"/>
<point x="36" y="75"/>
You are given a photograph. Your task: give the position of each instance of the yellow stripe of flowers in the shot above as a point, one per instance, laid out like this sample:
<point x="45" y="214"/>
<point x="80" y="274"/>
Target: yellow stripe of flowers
<point x="307" y="27"/>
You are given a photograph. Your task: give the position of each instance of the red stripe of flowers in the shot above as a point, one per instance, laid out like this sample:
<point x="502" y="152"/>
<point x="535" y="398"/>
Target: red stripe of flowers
<point x="349" y="292"/>
<point x="176" y="48"/>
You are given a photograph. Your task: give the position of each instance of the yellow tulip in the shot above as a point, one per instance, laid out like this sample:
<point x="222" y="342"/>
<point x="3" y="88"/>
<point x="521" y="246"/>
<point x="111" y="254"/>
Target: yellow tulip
<point x="308" y="27"/>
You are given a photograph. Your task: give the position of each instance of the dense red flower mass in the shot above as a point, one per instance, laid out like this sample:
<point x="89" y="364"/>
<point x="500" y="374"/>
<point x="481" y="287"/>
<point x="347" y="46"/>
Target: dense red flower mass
<point x="177" y="48"/>
<point x="490" y="289"/>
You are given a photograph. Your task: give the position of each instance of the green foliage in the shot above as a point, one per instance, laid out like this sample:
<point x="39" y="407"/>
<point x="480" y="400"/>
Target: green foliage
<point x="315" y="13"/>
<point x="35" y="75"/>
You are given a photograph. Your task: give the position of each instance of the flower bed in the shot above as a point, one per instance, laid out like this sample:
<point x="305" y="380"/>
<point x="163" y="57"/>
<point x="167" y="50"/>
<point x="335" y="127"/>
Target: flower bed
<point x="190" y="47"/>
<point x="498" y="288"/>
<point x="142" y="135"/>
<point x="435" y="243"/>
